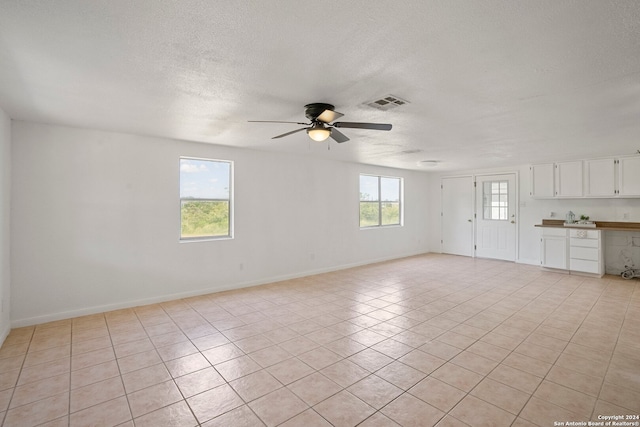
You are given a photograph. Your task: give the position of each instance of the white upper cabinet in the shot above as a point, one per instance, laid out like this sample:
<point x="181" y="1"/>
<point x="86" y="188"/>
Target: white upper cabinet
<point x="629" y="176"/>
<point x="569" y="179"/>
<point x="617" y="177"/>
<point x="600" y="178"/>
<point x="542" y="181"/>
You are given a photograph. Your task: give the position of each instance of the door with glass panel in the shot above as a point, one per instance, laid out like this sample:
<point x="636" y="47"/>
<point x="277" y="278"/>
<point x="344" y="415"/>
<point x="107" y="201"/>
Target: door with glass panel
<point x="496" y="216"/>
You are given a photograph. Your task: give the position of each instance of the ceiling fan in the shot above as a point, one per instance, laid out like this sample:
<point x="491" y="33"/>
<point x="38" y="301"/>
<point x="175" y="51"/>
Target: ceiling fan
<point x="321" y="126"/>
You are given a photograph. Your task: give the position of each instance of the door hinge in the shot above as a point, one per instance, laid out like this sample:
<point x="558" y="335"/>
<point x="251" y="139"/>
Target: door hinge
<point x="441" y="241"/>
<point x="441" y="186"/>
<point x="475" y="247"/>
<point x="474" y="184"/>
<point x="475" y="215"/>
<point x="441" y="214"/>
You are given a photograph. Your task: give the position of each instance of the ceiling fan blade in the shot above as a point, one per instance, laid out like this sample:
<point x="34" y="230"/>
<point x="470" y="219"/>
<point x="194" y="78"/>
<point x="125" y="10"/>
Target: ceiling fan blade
<point x="289" y="133"/>
<point x="355" y="125"/>
<point x="276" y="121"/>
<point x="328" y="116"/>
<point x="338" y="136"/>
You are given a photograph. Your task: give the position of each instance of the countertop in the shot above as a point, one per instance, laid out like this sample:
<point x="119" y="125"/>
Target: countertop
<point x="600" y="225"/>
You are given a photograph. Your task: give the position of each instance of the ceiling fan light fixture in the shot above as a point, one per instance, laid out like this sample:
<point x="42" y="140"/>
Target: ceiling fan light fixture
<point x="318" y="133"/>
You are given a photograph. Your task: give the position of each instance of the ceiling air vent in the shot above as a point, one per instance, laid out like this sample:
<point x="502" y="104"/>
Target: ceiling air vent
<point x="387" y="103"/>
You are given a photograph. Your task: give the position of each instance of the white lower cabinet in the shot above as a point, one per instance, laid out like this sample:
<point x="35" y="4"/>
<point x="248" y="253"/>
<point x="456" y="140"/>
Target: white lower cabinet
<point x="554" y="250"/>
<point x="576" y="250"/>
<point x="585" y="251"/>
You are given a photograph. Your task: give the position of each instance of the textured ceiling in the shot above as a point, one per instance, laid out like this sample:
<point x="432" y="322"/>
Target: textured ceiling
<point x="490" y="83"/>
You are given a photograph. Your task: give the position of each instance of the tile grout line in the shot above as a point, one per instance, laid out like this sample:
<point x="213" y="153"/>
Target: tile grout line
<point x="348" y="285"/>
<point x="604" y="378"/>
<point x="15" y="386"/>
<point x="568" y="342"/>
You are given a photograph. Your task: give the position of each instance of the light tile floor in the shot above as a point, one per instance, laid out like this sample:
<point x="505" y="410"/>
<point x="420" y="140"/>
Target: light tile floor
<point x="427" y="340"/>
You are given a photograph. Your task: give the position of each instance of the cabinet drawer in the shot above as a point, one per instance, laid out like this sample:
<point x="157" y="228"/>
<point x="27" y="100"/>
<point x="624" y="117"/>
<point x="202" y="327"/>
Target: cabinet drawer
<point x="584" y="234"/>
<point x="585" y="243"/>
<point x="555" y="232"/>
<point x="584" y="266"/>
<point x="590" y="254"/>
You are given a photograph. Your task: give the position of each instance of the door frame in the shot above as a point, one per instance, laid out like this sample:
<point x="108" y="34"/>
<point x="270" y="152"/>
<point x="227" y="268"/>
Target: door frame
<point x="475" y="213"/>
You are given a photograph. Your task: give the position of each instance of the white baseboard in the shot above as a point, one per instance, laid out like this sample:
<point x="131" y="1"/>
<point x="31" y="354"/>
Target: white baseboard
<point x="29" y="321"/>
<point x="528" y="261"/>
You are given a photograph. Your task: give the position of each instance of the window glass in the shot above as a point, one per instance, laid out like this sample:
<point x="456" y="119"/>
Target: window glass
<point x="380" y="201"/>
<point x="369" y="188"/>
<point x="495" y="200"/>
<point x="205" y="198"/>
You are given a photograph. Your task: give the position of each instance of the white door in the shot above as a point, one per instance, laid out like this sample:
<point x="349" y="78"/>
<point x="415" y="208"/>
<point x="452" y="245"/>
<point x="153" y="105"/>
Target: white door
<point x="457" y="215"/>
<point x="496" y="216"/>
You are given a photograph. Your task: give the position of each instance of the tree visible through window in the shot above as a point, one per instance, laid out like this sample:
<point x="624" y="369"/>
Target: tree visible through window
<point x="205" y="198"/>
<point x="380" y="201"/>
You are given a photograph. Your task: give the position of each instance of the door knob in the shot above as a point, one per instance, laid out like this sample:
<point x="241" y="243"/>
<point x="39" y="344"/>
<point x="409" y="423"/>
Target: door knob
<point x="513" y="222"/>
<point x="469" y="220"/>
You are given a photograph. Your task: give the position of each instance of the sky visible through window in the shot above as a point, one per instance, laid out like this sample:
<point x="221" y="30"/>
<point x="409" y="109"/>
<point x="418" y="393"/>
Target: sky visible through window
<point x="204" y="179"/>
<point x="369" y="188"/>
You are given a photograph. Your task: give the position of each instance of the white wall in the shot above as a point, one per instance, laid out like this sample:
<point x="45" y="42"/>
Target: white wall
<point x="95" y="221"/>
<point x="532" y="211"/>
<point x="5" y="211"/>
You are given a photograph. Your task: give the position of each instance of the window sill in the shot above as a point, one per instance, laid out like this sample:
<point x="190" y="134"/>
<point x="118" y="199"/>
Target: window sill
<point x="205" y="239"/>
<point x="377" y="227"/>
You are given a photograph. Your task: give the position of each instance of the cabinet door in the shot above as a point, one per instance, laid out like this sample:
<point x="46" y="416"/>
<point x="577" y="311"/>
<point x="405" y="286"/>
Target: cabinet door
<point x="569" y="179"/>
<point x="554" y="252"/>
<point x="600" y="178"/>
<point x="541" y="181"/>
<point x="629" y="176"/>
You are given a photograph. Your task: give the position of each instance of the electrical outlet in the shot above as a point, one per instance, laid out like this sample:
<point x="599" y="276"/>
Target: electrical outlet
<point x="625" y="215"/>
<point x="552" y="214"/>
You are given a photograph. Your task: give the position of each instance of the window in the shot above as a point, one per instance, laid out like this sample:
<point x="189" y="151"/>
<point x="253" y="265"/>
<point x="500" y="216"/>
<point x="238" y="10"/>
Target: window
<point x="205" y="198"/>
<point x="380" y="201"/>
<point x="495" y="200"/>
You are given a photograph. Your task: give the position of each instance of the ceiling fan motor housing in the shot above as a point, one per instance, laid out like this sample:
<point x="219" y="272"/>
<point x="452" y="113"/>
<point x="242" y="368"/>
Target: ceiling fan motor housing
<point x="312" y="111"/>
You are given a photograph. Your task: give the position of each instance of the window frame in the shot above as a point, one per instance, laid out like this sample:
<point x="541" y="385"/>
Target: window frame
<point x="381" y="202"/>
<point x="230" y="234"/>
<point x="489" y="204"/>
